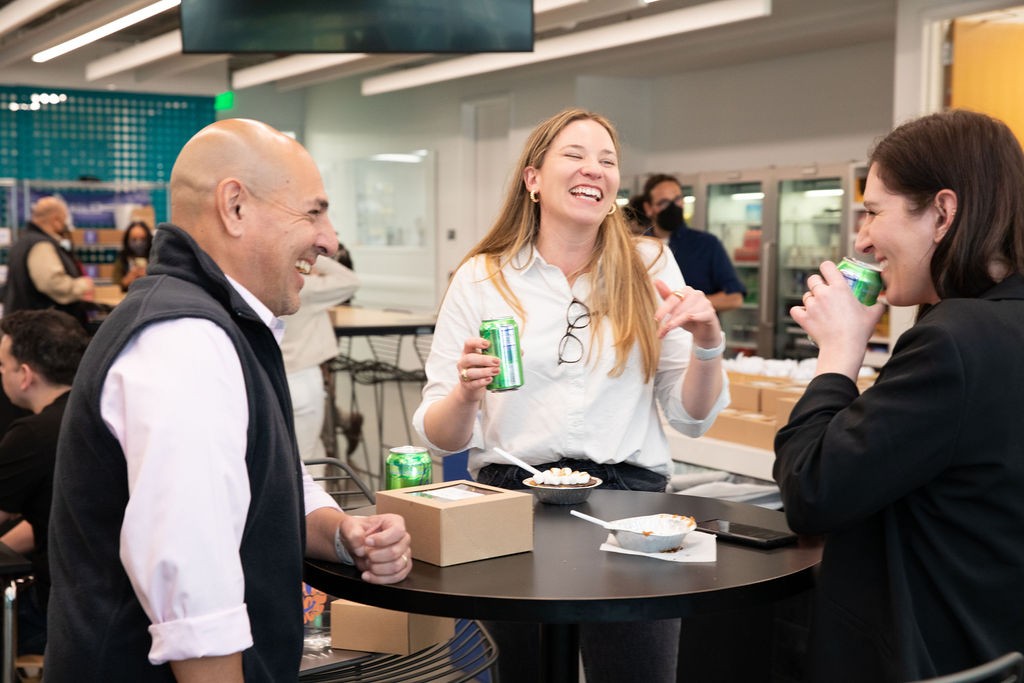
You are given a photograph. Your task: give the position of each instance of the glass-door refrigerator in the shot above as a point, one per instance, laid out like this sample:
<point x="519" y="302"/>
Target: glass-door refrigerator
<point x="810" y="230"/>
<point x="733" y="212"/>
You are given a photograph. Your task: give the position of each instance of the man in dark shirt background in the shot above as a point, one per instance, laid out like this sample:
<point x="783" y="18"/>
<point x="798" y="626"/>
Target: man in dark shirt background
<point x="39" y="354"/>
<point x="700" y="255"/>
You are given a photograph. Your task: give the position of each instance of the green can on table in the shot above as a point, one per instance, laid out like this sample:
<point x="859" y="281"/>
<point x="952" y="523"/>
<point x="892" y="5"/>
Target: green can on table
<point x="864" y="279"/>
<point x="407" y="466"/>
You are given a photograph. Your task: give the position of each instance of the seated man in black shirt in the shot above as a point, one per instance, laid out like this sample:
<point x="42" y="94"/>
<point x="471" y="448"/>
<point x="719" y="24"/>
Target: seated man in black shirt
<point x="39" y="354"/>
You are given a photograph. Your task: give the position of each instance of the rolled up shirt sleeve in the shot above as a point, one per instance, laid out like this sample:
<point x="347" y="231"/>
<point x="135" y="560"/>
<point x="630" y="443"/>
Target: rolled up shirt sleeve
<point x="175" y="400"/>
<point x="49" y="277"/>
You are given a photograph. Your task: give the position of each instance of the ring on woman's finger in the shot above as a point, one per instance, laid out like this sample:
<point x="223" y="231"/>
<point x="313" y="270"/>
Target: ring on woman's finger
<point x="808" y="294"/>
<point x="463" y="374"/>
<point x="679" y="293"/>
<point x="405" y="560"/>
<point x="816" y="284"/>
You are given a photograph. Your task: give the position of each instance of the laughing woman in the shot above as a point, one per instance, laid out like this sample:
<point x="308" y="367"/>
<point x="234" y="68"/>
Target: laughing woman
<point x="917" y="483"/>
<point x="609" y="330"/>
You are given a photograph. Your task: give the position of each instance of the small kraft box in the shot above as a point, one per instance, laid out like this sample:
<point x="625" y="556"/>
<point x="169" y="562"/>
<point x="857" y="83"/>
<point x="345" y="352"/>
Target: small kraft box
<point x="374" y="629"/>
<point x="462" y="521"/>
<point x="751" y="429"/>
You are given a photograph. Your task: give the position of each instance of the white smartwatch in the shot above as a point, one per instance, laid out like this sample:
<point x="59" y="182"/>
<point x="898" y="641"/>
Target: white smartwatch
<point x="708" y="354"/>
<point x="339" y="548"/>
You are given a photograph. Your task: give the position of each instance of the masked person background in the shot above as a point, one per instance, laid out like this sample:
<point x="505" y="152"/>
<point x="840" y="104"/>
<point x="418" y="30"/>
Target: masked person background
<point x="700" y="255"/>
<point x="131" y="262"/>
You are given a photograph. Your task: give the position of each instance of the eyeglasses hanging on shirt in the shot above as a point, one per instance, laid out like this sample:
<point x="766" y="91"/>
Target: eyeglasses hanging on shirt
<point x="577" y="317"/>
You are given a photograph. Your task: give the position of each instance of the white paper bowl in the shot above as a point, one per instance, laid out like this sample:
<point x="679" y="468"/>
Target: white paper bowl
<point x="652" y="533"/>
<point x="562" y="495"/>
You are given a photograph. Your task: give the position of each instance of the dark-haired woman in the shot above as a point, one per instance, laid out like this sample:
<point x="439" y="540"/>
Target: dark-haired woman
<point x="918" y="483"/>
<point x="131" y="262"/>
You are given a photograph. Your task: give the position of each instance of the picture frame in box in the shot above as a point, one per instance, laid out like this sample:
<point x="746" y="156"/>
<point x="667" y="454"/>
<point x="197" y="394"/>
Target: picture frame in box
<point x="462" y="521"/>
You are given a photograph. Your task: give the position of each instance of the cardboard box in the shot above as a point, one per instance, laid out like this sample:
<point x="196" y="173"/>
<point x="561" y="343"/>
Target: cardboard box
<point x="783" y="407"/>
<point x="751" y="429"/>
<point x="373" y="629"/>
<point x="744" y="396"/>
<point x="770" y="397"/>
<point x="461" y="521"/>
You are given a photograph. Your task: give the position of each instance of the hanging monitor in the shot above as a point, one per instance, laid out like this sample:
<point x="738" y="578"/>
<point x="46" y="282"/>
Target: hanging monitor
<point x="370" y="26"/>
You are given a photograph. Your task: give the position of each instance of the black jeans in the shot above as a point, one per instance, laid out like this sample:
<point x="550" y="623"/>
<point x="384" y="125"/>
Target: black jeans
<point x="616" y="476"/>
<point x="612" y="652"/>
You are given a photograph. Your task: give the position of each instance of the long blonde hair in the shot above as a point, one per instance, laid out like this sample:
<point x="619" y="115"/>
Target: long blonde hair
<point x="615" y="263"/>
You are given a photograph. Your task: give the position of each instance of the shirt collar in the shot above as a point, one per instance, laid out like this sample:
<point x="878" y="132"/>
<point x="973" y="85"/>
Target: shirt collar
<point x="275" y="324"/>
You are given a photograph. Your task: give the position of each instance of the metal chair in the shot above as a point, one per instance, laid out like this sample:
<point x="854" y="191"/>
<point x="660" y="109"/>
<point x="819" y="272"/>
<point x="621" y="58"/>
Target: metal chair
<point x="340" y="480"/>
<point x="1006" y="669"/>
<point x="466" y="657"/>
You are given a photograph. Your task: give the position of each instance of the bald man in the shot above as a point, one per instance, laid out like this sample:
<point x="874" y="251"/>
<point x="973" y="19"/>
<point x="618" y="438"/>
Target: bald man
<point x="41" y="273"/>
<point x="182" y="511"/>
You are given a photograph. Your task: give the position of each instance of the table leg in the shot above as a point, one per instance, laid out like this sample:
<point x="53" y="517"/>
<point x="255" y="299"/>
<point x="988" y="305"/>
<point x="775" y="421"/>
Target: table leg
<point x="10" y="637"/>
<point x="559" y="653"/>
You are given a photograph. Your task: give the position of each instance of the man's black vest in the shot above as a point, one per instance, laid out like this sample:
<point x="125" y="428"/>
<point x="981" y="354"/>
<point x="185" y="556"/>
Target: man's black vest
<point x="98" y="630"/>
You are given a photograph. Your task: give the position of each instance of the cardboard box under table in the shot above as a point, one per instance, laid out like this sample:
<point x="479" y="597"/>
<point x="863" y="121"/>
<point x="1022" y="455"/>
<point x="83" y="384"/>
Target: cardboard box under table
<point x="374" y="629"/>
<point x="462" y="521"/>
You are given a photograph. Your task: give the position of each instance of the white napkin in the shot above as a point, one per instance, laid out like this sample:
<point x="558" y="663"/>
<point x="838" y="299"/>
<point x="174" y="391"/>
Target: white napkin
<point x="697" y="547"/>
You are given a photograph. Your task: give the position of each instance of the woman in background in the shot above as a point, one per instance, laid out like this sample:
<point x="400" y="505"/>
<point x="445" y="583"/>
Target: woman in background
<point x="131" y="262"/>
<point x="608" y="330"/>
<point x="917" y="483"/>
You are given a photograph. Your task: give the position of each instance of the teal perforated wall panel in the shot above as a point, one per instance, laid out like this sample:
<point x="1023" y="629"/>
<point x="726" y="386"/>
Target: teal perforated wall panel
<point x="106" y="136"/>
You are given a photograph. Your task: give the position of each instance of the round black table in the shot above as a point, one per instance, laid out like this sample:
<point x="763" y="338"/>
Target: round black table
<point x="568" y="580"/>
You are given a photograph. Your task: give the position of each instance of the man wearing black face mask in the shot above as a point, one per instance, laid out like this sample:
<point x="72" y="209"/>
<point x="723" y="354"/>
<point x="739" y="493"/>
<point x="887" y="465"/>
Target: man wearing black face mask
<point x="700" y="255"/>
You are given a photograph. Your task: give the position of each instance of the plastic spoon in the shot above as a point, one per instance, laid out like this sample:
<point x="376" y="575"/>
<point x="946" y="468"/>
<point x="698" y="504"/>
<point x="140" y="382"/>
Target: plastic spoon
<point x="516" y="461"/>
<point x="594" y="520"/>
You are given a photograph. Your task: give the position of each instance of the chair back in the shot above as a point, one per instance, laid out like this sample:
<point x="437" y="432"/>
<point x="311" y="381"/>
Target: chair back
<point x="341" y="482"/>
<point x="1006" y="669"/>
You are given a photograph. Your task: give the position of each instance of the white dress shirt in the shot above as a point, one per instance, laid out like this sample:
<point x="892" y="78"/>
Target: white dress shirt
<point x="573" y="410"/>
<point x="175" y="400"/>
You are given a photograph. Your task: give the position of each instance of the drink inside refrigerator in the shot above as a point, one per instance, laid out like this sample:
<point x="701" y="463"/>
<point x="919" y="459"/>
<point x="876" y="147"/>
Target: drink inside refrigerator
<point x="810" y="231"/>
<point x="734" y="213"/>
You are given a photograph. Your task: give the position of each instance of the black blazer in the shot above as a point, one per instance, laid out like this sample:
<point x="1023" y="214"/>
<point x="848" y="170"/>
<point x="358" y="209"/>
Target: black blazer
<point x="918" y="485"/>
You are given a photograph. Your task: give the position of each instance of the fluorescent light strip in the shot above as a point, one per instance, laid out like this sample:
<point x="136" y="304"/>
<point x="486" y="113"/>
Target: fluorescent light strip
<point x="831" y="192"/>
<point x="612" y="36"/>
<point x="287" y="67"/>
<point x="105" y="30"/>
<point x="746" y="196"/>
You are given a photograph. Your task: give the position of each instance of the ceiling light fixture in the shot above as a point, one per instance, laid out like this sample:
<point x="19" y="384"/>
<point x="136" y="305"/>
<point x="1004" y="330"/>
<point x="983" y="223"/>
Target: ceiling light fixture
<point x="606" y="37"/>
<point x="105" y="30"/>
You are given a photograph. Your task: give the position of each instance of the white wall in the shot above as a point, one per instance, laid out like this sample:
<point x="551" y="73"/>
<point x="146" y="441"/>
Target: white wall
<point x="825" y="106"/>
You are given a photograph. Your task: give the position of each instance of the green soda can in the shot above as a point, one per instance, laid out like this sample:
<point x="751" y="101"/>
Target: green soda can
<point x="503" y="333"/>
<point x="864" y="279"/>
<point x="407" y="466"/>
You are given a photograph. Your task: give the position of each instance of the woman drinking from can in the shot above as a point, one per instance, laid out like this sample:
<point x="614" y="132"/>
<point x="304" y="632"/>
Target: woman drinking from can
<point x="917" y="482"/>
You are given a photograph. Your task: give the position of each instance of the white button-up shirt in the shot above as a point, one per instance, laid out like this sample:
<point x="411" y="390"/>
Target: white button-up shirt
<point x="175" y="400"/>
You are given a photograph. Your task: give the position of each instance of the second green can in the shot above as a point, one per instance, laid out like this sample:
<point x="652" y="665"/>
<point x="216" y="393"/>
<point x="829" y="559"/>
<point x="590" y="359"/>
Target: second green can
<point x="407" y="466"/>
<point x="864" y="279"/>
<point x="503" y="333"/>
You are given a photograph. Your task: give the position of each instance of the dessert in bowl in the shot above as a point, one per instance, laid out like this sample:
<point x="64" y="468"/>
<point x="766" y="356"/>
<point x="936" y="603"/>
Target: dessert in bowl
<point x="652" y="533"/>
<point x="562" y="486"/>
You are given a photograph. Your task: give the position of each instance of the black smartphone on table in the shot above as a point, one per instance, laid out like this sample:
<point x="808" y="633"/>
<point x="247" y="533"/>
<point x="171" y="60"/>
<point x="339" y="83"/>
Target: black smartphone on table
<point x="746" y="534"/>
